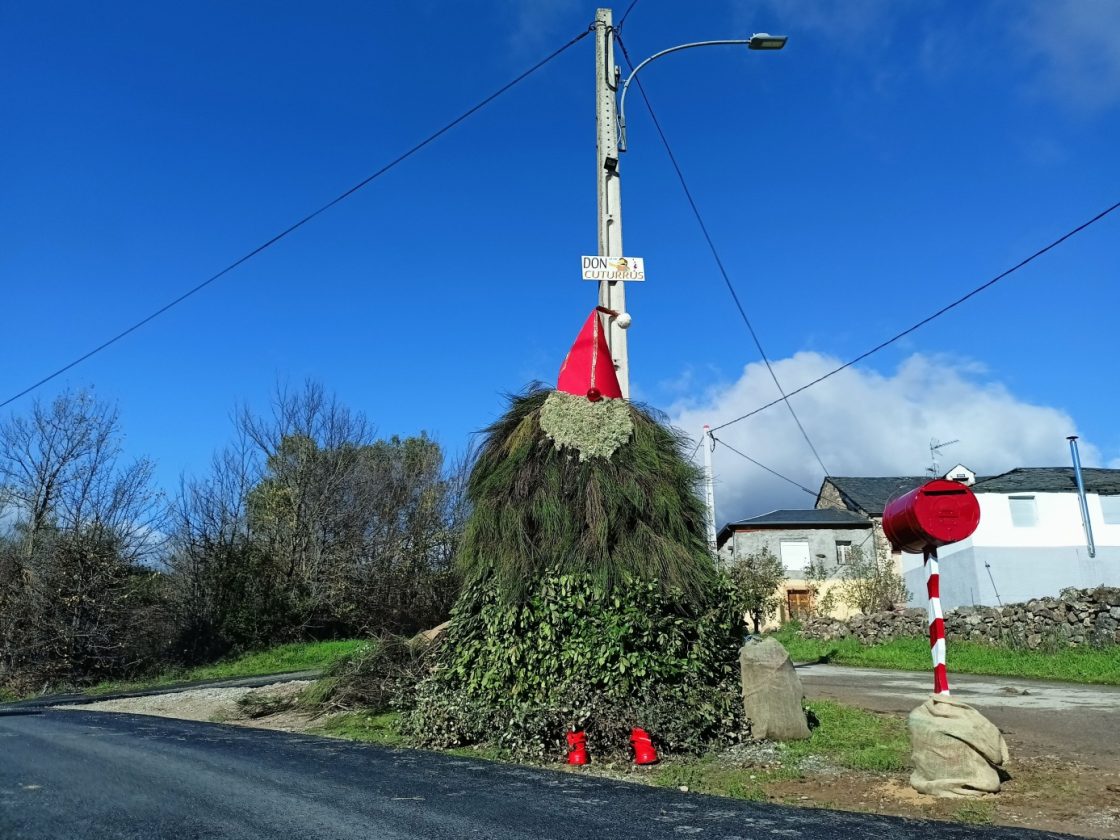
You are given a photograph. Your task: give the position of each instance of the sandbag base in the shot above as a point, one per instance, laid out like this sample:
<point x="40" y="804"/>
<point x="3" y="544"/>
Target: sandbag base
<point x="956" y="750"/>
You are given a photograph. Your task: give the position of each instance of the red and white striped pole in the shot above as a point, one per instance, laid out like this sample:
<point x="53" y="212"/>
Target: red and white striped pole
<point x="936" y="623"/>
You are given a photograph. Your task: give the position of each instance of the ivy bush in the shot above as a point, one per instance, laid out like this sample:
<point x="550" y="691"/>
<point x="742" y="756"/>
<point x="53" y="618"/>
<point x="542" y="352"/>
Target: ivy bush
<point x="519" y="676"/>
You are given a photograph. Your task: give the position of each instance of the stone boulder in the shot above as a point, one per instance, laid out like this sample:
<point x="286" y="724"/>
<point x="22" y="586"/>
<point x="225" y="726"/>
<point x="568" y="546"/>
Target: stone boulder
<point x="772" y="692"/>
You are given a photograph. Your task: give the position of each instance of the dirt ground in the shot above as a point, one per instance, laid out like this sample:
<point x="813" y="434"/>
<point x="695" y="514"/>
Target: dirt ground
<point x="1078" y="722"/>
<point x="217" y="705"/>
<point x="1062" y="738"/>
<point x="1046" y="790"/>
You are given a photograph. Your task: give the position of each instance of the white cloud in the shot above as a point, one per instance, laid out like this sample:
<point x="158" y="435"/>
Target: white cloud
<point x="1075" y="47"/>
<point x="863" y="31"/>
<point x="537" y="23"/>
<point x="1064" y="50"/>
<point x="866" y="423"/>
<point x="844" y="21"/>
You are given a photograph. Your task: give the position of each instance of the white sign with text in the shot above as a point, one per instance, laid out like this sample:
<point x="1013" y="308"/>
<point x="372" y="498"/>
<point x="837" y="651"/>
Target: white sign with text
<point x="614" y="268"/>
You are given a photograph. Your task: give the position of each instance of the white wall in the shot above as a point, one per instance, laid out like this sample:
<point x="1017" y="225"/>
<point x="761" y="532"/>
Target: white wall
<point x="973" y="576"/>
<point x="1059" y="522"/>
<point x="1022" y="562"/>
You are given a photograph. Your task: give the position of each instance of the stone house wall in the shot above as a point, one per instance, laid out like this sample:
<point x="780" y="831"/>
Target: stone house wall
<point x="830" y="499"/>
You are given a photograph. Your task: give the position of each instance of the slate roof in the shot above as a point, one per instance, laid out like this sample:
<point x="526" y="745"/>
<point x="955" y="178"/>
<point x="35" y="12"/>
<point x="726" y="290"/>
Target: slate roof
<point x="800" y="519"/>
<point x="805" y="518"/>
<point x="1050" y="480"/>
<point x="870" y="494"/>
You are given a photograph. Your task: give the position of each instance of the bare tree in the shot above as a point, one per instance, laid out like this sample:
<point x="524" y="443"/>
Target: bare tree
<point x="308" y="525"/>
<point x="872" y="583"/>
<point x="215" y="570"/>
<point x="81" y="530"/>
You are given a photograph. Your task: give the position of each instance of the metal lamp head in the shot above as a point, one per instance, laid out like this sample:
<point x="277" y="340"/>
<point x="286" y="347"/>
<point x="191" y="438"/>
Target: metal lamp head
<point x="765" y="41"/>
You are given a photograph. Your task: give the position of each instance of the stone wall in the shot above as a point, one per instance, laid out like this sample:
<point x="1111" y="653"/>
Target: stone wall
<point x="1078" y="618"/>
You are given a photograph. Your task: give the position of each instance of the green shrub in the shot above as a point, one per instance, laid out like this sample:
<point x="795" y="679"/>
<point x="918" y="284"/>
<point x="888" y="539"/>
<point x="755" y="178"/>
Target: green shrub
<point x="380" y="675"/>
<point x="520" y="676"/>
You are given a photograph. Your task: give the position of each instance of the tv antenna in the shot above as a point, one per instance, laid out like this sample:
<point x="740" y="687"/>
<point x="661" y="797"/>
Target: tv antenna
<point x="935" y="447"/>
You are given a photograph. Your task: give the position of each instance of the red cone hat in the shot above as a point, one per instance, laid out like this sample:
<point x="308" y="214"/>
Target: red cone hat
<point x="588" y="371"/>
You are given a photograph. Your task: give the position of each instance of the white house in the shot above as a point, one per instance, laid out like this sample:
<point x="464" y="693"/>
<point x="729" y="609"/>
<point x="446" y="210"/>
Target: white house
<point x="1031" y="540"/>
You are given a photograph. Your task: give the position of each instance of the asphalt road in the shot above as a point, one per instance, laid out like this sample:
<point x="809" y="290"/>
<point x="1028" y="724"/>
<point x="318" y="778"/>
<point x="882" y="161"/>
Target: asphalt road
<point x="75" y="774"/>
<point x="1076" y="722"/>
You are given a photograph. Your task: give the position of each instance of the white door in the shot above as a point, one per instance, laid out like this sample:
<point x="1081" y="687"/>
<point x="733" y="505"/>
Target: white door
<point x="795" y="554"/>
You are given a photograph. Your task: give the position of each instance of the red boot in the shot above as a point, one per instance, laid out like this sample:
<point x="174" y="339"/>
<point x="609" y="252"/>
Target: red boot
<point x="644" y="753"/>
<point x="577" y="748"/>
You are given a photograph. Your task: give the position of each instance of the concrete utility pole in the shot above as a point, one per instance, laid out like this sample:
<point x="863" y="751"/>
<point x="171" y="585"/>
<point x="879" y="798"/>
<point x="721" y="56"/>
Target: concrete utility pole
<point x="612" y="293"/>
<point x="709" y="488"/>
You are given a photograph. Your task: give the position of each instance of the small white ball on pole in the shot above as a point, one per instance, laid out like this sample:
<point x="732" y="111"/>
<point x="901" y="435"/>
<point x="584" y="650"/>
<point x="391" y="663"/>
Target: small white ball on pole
<point x="623" y="320"/>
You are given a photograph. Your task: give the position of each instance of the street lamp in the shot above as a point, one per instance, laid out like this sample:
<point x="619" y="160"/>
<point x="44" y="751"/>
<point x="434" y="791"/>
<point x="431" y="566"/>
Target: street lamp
<point x="766" y="41"/>
<point x="758" y="41"/>
<point x="610" y="142"/>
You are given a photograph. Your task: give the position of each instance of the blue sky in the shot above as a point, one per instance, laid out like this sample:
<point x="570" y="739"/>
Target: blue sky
<point x="894" y="155"/>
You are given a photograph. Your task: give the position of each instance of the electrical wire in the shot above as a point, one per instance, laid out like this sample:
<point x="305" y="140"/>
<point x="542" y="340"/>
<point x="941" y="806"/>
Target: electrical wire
<point x="697" y="449"/>
<point x="399" y="159"/>
<point x="935" y="315"/>
<point x="626" y="14"/>
<point x="718" y="259"/>
<point x="774" y="472"/>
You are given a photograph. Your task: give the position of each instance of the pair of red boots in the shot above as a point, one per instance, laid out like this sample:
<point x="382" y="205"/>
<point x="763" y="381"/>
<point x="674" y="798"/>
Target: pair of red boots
<point x="644" y="753"/>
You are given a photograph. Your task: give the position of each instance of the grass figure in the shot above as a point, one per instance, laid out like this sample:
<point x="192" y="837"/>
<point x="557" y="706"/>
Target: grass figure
<point x="590" y="597"/>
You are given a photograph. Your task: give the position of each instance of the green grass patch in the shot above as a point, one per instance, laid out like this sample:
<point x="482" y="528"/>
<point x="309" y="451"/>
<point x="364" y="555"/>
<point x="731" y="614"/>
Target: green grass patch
<point x="384" y="729"/>
<point x="975" y="813"/>
<point x="381" y="729"/>
<point x="707" y="775"/>
<point x="855" y="738"/>
<point x="299" y="656"/>
<point x="1081" y="665"/>
<point x="846" y="737"/>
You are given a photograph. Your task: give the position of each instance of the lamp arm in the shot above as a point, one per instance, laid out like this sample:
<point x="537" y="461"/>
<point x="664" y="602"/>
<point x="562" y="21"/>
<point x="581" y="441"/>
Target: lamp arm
<point x="634" y="72"/>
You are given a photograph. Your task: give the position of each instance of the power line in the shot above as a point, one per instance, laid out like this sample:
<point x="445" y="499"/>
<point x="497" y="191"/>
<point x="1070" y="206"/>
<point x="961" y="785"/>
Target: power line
<point x="626" y="14"/>
<point x="697" y="449"/>
<point x="785" y="478"/>
<point x="399" y="159"/>
<point x="935" y="315"/>
<point x="718" y="259"/>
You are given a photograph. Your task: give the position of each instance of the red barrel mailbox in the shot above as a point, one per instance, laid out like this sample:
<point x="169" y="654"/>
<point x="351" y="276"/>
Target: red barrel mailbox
<point x="936" y="514"/>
